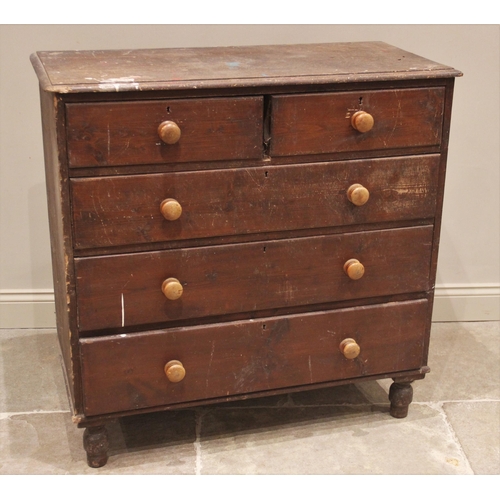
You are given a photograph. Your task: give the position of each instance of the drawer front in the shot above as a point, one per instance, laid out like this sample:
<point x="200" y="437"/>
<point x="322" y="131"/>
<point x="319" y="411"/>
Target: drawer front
<point x="126" y="133"/>
<point x="126" y="372"/>
<point x="321" y="123"/>
<point x="110" y="211"/>
<point x="125" y="290"/>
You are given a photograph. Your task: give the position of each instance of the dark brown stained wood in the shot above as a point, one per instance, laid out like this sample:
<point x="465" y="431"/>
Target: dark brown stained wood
<point x="96" y="444"/>
<point x="400" y="396"/>
<point x="126" y="133"/>
<point x="110" y="211"/>
<point x="271" y="212"/>
<point x="126" y="372"/>
<point x="321" y="123"/>
<point x="83" y="421"/>
<point x="57" y="185"/>
<point x="229" y="67"/>
<point x="125" y="290"/>
<point x="159" y="168"/>
<point x="439" y="206"/>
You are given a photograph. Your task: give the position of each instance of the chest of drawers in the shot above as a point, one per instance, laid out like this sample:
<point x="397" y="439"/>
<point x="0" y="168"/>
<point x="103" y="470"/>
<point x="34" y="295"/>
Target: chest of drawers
<point x="236" y="222"/>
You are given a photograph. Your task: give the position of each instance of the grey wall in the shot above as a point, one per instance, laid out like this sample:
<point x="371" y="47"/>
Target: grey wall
<point x="468" y="271"/>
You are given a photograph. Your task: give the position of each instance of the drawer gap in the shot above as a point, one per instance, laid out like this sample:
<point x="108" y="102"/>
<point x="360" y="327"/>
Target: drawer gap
<point x="328" y="306"/>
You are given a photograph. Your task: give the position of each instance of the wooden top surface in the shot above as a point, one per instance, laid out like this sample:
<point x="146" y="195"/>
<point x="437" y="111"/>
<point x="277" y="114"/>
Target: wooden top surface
<point x="216" y="67"/>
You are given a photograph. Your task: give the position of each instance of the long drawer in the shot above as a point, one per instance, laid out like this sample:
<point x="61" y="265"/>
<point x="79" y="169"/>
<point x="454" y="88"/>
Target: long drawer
<point x="322" y="123"/>
<point x="122" y="210"/>
<point x="126" y="133"/>
<point x="125" y="372"/>
<point x="126" y="289"/>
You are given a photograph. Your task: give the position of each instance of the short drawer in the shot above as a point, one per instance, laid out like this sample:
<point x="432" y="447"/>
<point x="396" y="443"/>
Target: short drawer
<point x="125" y="290"/>
<point x="127" y="133"/>
<point x="126" y="372"/>
<point x="322" y="123"/>
<point x="123" y="210"/>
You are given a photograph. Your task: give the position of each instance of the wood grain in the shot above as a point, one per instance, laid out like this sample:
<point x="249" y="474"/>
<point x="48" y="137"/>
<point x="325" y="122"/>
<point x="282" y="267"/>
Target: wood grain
<point x="125" y="71"/>
<point x="126" y="372"/>
<point x="113" y="211"/>
<point x="321" y="123"/>
<point x="126" y="133"/>
<point x="125" y="290"/>
<point x="258" y="226"/>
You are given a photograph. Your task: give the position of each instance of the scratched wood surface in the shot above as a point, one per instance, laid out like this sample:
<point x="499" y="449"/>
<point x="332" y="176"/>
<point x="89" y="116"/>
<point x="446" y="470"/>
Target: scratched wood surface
<point x="125" y="133"/>
<point x="229" y="67"/>
<point x="320" y="123"/>
<point x="121" y="210"/>
<point x="236" y="199"/>
<point x="57" y="187"/>
<point x="125" y="290"/>
<point x="123" y="372"/>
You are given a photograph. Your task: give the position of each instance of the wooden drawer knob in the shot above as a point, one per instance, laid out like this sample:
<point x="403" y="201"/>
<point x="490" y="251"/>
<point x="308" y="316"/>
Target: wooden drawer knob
<point x="172" y="289"/>
<point x="169" y="132"/>
<point x="174" y="370"/>
<point x="362" y="121"/>
<point x="354" y="269"/>
<point x="358" y="195"/>
<point x="349" y="348"/>
<point x="170" y="209"/>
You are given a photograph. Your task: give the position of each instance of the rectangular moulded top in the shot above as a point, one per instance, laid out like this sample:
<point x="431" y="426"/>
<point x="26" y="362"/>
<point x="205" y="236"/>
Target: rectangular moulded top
<point x="218" y="67"/>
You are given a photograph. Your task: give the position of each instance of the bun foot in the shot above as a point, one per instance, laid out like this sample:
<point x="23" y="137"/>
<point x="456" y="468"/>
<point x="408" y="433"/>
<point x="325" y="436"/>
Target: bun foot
<point x="96" y="444"/>
<point x="400" y="396"/>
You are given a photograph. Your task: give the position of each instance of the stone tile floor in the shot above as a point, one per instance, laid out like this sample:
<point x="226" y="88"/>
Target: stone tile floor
<point x="453" y="427"/>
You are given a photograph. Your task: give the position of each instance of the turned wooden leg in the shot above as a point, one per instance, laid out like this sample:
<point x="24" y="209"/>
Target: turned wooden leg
<point x="96" y="444"/>
<point x="400" y="396"/>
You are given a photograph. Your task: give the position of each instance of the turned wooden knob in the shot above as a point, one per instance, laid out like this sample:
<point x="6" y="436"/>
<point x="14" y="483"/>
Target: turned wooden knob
<point x="358" y="194"/>
<point x="362" y="121"/>
<point x="354" y="269"/>
<point x="172" y="289"/>
<point x="170" y="209"/>
<point x="169" y="132"/>
<point x="349" y="348"/>
<point x="174" y="370"/>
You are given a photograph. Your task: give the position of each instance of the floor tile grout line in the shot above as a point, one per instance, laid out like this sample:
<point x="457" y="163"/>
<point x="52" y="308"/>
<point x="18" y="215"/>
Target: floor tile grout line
<point x="445" y="401"/>
<point x="440" y="408"/>
<point x="6" y="415"/>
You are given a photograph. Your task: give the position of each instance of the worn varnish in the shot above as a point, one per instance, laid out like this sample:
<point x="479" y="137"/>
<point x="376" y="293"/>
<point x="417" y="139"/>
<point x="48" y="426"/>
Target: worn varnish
<point x="120" y="210"/>
<point x="312" y="123"/>
<point x="236" y="222"/>
<point x="125" y="290"/>
<point x="123" y="372"/>
<point x="126" y="133"/>
<point x="229" y="67"/>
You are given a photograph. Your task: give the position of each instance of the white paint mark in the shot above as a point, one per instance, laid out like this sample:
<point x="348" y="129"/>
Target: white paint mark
<point x="119" y="84"/>
<point x="123" y="311"/>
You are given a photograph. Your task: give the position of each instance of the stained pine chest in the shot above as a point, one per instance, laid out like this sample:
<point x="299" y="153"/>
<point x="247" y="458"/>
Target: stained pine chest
<point x="236" y="222"/>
